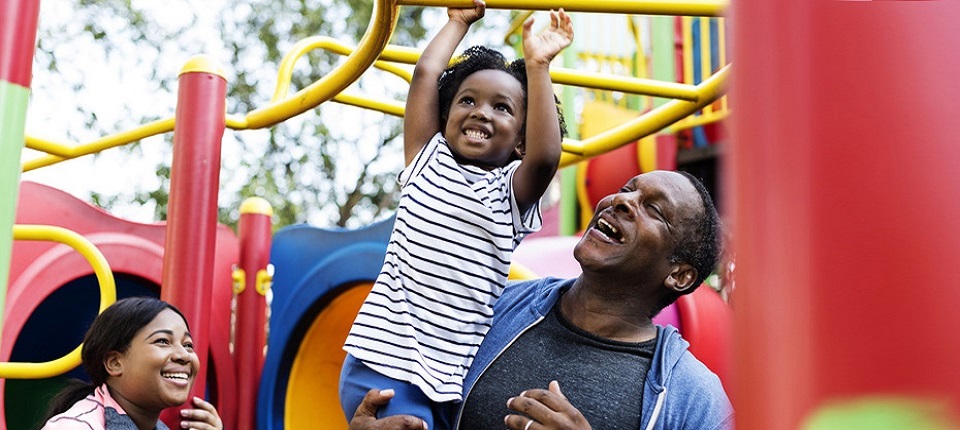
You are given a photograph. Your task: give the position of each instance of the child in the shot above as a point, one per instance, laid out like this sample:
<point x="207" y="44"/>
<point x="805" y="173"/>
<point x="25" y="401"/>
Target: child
<point x="482" y="143"/>
<point x="140" y="358"/>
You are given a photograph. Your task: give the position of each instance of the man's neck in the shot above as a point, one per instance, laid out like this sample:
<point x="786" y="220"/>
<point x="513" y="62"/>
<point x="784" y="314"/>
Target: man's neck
<point x="610" y="313"/>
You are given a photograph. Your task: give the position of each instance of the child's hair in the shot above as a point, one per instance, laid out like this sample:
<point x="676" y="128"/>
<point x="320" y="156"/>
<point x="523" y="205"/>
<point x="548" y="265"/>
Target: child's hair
<point x="478" y="58"/>
<point x="112" y="330"/>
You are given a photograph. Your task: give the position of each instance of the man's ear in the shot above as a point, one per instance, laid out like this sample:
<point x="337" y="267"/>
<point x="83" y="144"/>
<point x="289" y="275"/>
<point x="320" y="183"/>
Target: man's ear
<point x="681" y="278"/>
<point x="113" y="363"/>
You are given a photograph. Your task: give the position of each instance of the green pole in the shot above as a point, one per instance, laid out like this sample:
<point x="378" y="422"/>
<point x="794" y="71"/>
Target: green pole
<point x="13" y="102"/>
<point x="662" y="52"/>
<point x="569" y="222"/>
<point x="18" y="34"/>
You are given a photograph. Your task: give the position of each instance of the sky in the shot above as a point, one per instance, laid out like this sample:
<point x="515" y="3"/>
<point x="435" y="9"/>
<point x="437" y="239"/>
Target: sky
<point x="109" y="83"/>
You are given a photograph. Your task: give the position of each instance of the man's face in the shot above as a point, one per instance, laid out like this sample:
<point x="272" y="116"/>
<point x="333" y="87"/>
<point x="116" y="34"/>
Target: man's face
<point x="635" y="231"/>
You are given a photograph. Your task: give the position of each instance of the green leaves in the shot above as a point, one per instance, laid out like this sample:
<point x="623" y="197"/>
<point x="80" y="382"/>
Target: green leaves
<point x="333" y="165"/>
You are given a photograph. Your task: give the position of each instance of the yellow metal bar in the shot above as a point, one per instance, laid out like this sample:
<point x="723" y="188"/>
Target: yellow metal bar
<point x="400" y="54"/>
<point x="638" y="7"/>
<point x="686" y="30"/>
<point x="722" y="51"/>
<point x="285" y="71"/>
<point x="236" y="122"/>
<point x="515" y="26"/>
<point x="710" y="90"/>
<point x="625" y="84"/>
<point x="373" y="41"/>
<point x="117" y="139"/>
<point x="108" y="295"/>
<point x="374" y="45"/>
<point x="47" y="146"/>
<point x="694" y="121"/>
<point x="389" y="107"/>
<point x="705" y="57"/>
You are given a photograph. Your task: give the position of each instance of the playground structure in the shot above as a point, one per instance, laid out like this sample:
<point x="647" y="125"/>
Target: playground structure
<point x="316" y="288"/>
<point x="804" y="356"/>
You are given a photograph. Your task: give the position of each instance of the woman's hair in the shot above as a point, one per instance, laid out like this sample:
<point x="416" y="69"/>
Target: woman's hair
<point x="112" y="330"/>
<point x="479" y="58"/>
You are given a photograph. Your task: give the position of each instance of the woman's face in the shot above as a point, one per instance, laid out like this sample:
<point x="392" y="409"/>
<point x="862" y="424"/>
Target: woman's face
<point x="158" y="369"/>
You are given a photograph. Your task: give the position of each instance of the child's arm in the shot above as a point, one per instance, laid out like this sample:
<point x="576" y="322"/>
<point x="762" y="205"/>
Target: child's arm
<point x="422" y="118"/>
<point x="542" y="138"/>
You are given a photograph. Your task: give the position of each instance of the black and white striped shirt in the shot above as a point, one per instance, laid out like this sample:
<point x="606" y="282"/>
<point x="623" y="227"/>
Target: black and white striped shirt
<point x="446" y="265"/>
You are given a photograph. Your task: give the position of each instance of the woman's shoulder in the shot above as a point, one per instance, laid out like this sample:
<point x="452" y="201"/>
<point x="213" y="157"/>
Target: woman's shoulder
<point x="85" y="414"/>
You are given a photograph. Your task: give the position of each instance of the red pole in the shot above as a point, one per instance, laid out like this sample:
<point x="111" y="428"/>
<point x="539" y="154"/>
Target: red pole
<point x="250" y="338"/>
<point x="18" y="37"/>
<point x="846" y="214"/>
<point x="192" y="213"/>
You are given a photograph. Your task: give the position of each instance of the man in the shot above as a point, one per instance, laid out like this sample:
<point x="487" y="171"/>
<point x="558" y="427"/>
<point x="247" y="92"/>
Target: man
<point x="653" y="241"/>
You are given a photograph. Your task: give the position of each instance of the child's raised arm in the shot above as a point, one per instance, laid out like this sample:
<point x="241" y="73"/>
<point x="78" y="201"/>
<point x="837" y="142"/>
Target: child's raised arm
<point x="422" y="118"/>
<point x="542" y="138"/>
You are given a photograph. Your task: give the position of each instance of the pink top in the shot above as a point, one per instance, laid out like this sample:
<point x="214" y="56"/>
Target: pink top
<point x="87" y="414"/>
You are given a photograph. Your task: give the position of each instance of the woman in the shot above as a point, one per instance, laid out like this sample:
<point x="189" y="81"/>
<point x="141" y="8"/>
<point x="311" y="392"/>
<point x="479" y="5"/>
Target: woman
<point x="140" y="358"/>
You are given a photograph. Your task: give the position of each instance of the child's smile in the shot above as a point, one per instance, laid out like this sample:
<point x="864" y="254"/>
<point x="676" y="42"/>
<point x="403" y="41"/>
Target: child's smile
<point x="485" y="120"/>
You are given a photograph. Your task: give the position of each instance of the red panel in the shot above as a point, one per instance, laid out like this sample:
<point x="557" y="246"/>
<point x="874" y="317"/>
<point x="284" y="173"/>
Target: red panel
<point x="666" y="152"/>
<point x="39" y="268"/>
<point x="707" y="323"/>
<point x="607" y="173"/>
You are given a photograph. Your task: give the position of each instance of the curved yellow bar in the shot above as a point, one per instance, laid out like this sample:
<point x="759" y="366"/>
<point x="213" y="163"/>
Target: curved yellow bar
<point x="285" y="71"/>
<point x="710" y="90"/>
<point x="117" y="139"/>
<point x="516" y="25"/>
<point x="47" y="146"/>
<point x="695" y="121"/>
<point x="639" y="7"/>
<point x="108" y="295"/>
<point x="373" y="41"/>
<point x="388" y="107"/>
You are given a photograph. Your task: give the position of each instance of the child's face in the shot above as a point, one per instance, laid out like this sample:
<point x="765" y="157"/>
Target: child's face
<point x="158" y="369"/>
<point x="486" y="118"/>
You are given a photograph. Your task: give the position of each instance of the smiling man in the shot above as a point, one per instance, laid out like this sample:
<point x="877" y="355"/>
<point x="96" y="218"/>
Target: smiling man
<point x="656" y="239"/>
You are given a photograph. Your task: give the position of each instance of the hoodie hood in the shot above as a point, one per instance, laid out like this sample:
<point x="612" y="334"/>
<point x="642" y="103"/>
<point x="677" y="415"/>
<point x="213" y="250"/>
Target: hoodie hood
<point x="670" y="348"/>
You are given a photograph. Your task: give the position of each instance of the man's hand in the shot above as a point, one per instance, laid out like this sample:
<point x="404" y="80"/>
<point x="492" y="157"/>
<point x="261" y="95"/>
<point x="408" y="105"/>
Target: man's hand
<point x="545" y="409"/>
<point x="365" y="417"/>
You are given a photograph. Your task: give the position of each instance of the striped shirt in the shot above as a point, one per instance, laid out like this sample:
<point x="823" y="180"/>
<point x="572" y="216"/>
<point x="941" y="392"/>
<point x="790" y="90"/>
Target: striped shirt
<point x="446" y="265"/>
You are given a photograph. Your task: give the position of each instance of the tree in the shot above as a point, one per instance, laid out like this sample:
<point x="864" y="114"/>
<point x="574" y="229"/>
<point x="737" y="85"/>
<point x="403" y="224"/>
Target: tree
<point x="334" y="165"/>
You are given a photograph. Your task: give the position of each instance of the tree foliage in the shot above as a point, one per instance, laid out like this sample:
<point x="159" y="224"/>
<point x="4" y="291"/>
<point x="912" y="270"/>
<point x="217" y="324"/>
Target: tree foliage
<point x="334" y="165"/>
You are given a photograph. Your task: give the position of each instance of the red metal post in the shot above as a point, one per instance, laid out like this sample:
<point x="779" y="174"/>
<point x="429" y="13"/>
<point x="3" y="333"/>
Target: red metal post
<point x="192" y="213"/>
<point x="846" y="212"/>
<point x="250" y="338"/>
<point x="18" y="37"/>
